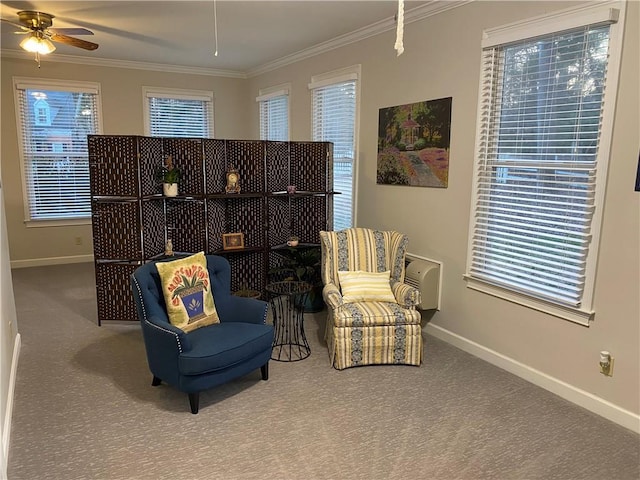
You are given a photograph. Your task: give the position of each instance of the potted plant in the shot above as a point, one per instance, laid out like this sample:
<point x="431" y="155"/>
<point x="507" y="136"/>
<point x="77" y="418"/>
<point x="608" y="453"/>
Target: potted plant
<point x="245" y="291"/>
<point x="302" y="264"/>
<point x="169" y="175"/>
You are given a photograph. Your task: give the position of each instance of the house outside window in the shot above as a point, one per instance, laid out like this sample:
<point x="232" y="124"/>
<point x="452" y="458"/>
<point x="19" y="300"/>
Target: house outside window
<point x="274" y="113"/>
<point x="54" y="119"/>
<point x="545" y="118"/>
<point x="41" y="113"/>
<point x="335" y="110"/>
<point x="178" y="113"/>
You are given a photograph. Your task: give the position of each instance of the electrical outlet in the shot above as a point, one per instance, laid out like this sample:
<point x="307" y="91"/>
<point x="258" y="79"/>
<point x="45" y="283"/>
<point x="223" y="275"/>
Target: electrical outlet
<point x="78" y="240"/>
<point x="607" y="369"/>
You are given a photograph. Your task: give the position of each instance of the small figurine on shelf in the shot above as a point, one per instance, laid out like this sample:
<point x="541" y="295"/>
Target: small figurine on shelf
<point x="169" y="175"/>
<point x="233" y="181"/>
<point x="293" y="241"/>
<point x="168" y="248"/>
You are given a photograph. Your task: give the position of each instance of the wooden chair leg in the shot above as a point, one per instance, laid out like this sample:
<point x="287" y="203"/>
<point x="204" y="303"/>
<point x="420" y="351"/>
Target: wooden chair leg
<point x="265" y="371"/>
<point x="156" y="381"/>
<point x="194" y="401"/>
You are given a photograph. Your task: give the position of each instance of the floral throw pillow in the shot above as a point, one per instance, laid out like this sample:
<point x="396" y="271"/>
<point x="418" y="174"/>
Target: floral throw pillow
<point x="187" y="292"/>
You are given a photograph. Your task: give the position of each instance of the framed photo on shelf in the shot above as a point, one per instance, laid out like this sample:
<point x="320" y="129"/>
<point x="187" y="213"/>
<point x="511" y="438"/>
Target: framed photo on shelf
<point x="232" y="241"/>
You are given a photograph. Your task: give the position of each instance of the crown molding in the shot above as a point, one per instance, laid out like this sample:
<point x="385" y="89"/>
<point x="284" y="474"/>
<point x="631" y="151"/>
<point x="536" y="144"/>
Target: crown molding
<point x="112" y="63"/>
<point x="410" y="16"/>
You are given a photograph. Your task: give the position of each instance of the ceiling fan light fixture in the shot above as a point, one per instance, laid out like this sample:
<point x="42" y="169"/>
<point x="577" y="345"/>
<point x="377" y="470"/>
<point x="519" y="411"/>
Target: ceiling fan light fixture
<point x="37" y="43"/>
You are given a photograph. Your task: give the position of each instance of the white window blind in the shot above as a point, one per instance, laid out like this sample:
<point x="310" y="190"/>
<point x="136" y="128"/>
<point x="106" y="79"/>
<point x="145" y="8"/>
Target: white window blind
<point x="178" y="113"/>
<point x="54" y="121"/>
<point x="334" y="120"/>
<point x="274" y="116"/>
<point x="540" y="127"/>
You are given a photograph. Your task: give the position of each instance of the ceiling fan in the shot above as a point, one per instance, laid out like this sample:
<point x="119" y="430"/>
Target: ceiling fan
<point x="38" y="27"/>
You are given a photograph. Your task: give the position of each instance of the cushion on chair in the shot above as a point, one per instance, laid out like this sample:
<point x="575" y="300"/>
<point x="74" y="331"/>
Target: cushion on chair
<point x="367" y="314"/>
<point x="220" y="346"/>
<point x="187" y="292"/>
<point x="359" y="286"/>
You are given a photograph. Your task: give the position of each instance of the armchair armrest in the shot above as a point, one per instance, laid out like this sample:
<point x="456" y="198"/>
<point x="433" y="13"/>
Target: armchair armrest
<point x="164" y="344"/>
<point x="406" y="295"/>
<point x="332" y="296"/>
<point x="160" y="331"/>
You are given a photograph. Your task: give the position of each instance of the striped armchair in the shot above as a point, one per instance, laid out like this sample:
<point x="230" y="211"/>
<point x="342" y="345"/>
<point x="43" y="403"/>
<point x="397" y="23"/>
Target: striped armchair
<point x="367" y="324"/>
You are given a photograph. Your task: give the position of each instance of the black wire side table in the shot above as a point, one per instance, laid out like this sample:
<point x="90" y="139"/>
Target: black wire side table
<point x="287" y="301"/>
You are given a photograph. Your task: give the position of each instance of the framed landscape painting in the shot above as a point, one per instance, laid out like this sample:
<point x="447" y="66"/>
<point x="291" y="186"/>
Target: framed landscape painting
<point x="413" y="144"/>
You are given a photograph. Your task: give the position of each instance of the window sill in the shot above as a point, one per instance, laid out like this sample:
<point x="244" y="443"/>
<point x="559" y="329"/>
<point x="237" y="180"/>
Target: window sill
<point x="575" y="315"/>
<point x="63" y="222"/>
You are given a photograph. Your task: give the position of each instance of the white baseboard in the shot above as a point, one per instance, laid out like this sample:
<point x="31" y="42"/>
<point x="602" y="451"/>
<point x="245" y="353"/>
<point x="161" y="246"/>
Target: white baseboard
<point x="573" y="394"/>
<point x="6" y="432"/>
<point x="43" y="262"/>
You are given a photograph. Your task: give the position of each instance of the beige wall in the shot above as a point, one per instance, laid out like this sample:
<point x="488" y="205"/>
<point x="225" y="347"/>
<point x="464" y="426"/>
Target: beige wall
<point x="122" y="114"/>
<point x="441" y="59"/>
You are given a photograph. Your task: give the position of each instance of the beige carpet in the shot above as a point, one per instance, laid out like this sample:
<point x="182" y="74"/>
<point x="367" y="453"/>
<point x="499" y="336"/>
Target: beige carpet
<point x="85" y="409"/>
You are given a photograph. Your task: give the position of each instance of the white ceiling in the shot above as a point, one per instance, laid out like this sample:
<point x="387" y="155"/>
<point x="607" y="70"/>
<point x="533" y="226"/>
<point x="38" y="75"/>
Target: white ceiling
<point x="251" y="34"/>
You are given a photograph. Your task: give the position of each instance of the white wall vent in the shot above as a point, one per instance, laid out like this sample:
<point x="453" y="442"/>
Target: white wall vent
<point x="425" y="276"/>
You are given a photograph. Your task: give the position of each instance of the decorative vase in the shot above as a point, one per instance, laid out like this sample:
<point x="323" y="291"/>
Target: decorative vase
<point x="193" y="301"/>
<point x="170" y="189"/>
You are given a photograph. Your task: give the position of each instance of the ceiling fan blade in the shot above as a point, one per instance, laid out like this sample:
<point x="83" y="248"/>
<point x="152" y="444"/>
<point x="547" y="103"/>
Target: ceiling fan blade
<point x="74" y="42"/>
<point x="15" y="24"/>
<point x="70" y="31"/>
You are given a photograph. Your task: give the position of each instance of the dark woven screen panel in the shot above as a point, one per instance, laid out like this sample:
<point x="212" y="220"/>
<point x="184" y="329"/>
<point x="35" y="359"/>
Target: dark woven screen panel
<point x="116" y="235"/>
<point x="309" y="216"/>
<point x="113" y="289"/>
<point x="113" y="165"/>
<point x="247" y="270"/>
<point x="309" y="166"/>
<point x="215" y="164"/>
<point x="151" y="159"/>
<point x="248" y="158"/>
<point x="279" y="224"/>
<point x="153" y="228"/>
<point x="277" y="158"/>
<point x="188" y="157"/>
<point x="132" y="219"/>
<point x="216" y="224"/>
<point x="246" y="215"/>
<point x="185" y="222"/>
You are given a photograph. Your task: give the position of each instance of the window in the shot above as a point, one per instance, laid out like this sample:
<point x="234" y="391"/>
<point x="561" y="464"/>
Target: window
<point x="334" y="119"/>
<point x="547" y="97"/>
<point x="274" y="113"/>
<point x="54" y="119"/>
<point x="178" y="113"/>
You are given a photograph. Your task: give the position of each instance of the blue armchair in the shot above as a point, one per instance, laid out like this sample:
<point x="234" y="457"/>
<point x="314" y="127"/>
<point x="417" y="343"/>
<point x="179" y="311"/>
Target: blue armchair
<point x="209" y="356"/>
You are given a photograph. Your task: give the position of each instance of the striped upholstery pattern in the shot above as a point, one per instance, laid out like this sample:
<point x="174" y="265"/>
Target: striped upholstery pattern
<point x="360" y="286"/>
<point x="373" y="332"/>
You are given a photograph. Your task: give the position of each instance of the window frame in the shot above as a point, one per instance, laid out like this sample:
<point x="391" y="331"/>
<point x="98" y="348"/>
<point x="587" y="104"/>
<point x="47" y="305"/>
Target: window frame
<point x="177" y="94"/>
<point x="521" y="31"/>
<point x="47" y="84"/>
<point x="353" y="72"/>
<point x="273" y="93"/>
